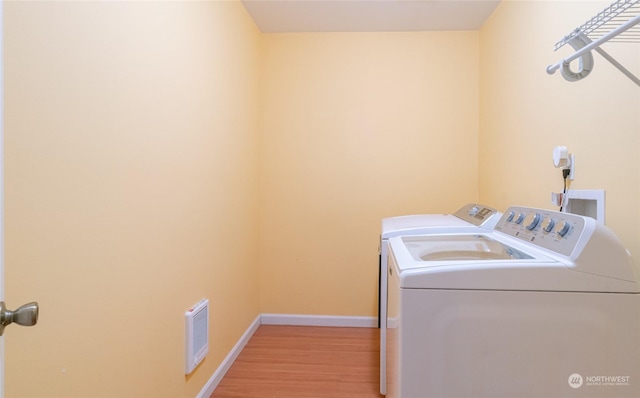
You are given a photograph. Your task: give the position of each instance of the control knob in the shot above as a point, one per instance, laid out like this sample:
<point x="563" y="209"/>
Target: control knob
<point x="519" y="218"/>
<point x="473" y="211"/>
<point x="510" y="216"/>
<point x="532" y="220"/>
<point x="562" y="227"/>
<point x="548" y="224"/>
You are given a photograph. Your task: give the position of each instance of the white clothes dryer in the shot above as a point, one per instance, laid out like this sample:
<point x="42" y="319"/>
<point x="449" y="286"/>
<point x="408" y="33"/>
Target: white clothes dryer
<point x="469" y="218"/>
<point x="546" y="305"/>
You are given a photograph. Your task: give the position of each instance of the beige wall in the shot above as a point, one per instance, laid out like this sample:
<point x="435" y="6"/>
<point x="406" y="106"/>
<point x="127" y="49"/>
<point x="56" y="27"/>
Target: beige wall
<point x="161" y="152"/>
<point x="356" y="127"/>
<point x="525" y="113"/>
<point x="131" y="186"/>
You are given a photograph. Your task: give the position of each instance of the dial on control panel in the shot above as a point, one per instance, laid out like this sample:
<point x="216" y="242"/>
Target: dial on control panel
<point x="532" y="220"/>
<point x="547" y="224"/>
<point x="510" y="216"/>
<point x="562" y="227"/>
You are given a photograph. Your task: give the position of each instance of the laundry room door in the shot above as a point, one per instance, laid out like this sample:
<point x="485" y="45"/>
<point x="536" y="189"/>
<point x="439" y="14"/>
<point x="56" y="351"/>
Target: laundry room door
<point x="11" y="314"/>
<point x="1" y="189"/>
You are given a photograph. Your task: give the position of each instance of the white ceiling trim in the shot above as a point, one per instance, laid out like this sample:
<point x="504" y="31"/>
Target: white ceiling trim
<point x="273" y="16"/>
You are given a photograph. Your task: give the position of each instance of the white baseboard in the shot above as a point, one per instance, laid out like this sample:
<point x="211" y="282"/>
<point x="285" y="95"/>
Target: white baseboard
<point x="282" y="319"/>
<point x="319" y="320"/>
<point x="228" y="361"/>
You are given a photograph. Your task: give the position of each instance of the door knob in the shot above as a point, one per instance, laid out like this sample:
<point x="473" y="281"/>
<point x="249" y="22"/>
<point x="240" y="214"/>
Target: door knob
<point x="25" y="315"/>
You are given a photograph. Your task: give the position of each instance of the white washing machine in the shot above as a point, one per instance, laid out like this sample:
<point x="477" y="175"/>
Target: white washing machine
<point x="546" y="305"/>
<point x="469" y="218"/>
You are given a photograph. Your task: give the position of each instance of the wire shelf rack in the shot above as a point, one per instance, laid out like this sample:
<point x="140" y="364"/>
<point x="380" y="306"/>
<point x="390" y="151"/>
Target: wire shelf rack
<point x="619" y="22"/>
<point x="607" y="20"/>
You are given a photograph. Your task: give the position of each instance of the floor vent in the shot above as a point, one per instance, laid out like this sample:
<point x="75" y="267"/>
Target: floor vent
<point x="196" y="334"/>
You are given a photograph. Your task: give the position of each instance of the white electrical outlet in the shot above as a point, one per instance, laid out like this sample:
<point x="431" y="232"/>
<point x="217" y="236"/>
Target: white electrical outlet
<point x="562" y="159"/>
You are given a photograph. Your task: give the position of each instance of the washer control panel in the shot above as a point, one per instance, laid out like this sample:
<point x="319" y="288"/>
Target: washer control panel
<point x="476" y="214"/>
<point x="555" y="231"/>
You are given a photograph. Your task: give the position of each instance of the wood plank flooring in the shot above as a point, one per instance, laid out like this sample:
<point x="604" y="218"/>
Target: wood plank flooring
<point x="305" y="361"/>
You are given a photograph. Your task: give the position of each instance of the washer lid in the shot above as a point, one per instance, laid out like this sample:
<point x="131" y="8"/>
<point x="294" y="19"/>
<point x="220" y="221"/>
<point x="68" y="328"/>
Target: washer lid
<point x="471" y="216"/>
<point x="489" y="261"/>
<point x="421" y="224"/>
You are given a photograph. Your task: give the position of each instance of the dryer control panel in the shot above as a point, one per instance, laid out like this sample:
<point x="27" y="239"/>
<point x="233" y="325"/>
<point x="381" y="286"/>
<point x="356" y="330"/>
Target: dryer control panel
<point x="477" y="215"/>
<point x="552" y="230"/>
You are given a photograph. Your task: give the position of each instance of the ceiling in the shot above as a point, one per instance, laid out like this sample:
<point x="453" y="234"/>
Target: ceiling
<point x="272" y="16"/>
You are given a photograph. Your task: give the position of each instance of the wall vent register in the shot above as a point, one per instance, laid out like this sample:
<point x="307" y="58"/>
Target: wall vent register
<point x="196" y="335"/>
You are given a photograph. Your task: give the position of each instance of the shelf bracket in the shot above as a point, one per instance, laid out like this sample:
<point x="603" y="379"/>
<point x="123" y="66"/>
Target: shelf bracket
<point x="615" y="63"/>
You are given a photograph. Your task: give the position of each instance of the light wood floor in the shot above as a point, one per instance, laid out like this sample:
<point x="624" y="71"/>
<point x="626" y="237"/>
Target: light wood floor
<point x="304" y="361"/>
